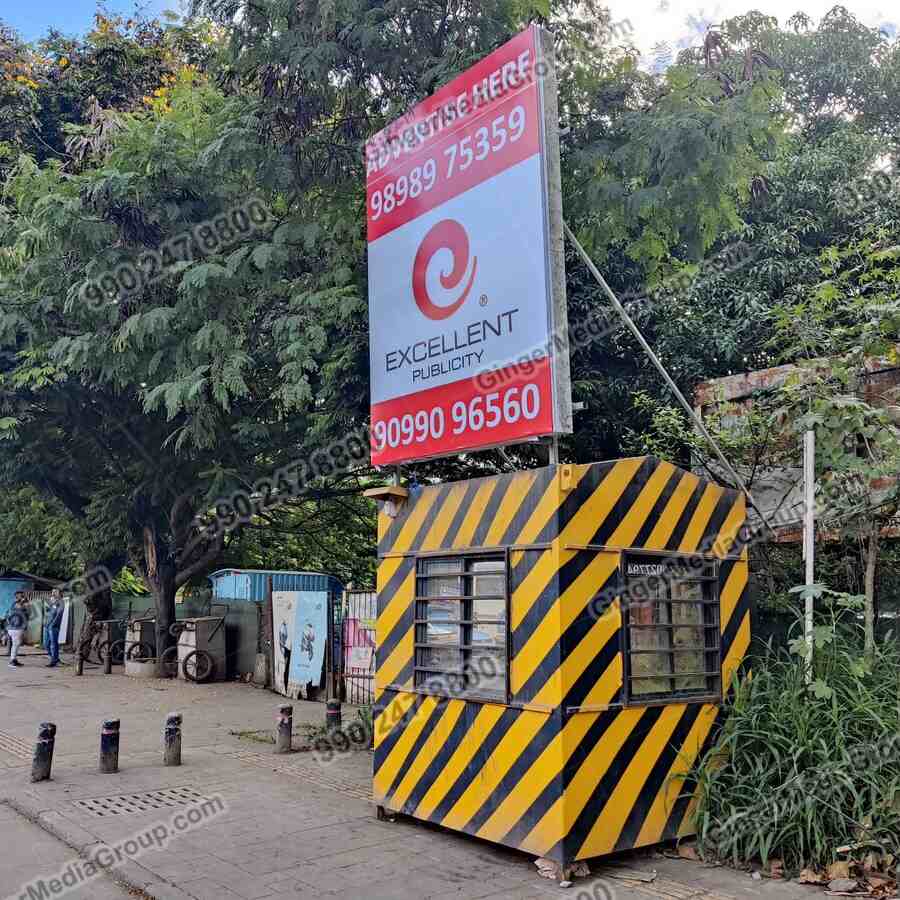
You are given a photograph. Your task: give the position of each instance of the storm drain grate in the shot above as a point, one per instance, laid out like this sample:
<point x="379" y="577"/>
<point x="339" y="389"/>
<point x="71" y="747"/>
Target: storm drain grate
<point x="15" y="746"/>
<point x="129" y="804"/>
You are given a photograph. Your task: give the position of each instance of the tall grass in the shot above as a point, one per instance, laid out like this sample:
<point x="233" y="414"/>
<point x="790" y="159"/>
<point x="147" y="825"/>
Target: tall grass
<point x="800" y="770"/>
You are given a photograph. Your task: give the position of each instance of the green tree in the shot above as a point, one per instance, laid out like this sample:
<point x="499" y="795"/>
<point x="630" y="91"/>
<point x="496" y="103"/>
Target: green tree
<point x="852" y="315"/>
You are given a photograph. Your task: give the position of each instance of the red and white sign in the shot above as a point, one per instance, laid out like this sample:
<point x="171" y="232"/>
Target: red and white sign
<point x="460" y="280"/>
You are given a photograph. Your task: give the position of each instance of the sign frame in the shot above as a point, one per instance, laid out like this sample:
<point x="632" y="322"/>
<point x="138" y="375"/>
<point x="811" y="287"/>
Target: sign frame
<point x="548" y="356"/>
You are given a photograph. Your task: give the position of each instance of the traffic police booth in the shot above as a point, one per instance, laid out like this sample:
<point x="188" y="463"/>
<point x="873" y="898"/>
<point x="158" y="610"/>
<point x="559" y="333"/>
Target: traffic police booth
<point x="552" y="644"/>
<point x="552" y="649"/>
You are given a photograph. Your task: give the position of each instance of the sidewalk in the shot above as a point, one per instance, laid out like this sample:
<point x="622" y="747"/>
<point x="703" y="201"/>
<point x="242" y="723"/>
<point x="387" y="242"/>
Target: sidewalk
<point x="287" y="827"/>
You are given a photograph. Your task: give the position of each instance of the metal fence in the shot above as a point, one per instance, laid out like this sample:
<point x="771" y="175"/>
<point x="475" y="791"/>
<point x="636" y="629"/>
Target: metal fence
<point x="360" y="609"/>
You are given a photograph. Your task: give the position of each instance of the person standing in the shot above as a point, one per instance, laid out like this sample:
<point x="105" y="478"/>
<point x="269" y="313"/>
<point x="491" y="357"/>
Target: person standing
<point x="51" y="627"/>
<point x="286" y="653"/>
<point x="16" y="623"/>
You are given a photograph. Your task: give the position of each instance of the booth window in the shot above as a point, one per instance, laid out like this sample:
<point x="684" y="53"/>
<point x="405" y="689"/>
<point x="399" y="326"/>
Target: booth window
<point x="673" y="637"/>
<point x="461" y="626"/>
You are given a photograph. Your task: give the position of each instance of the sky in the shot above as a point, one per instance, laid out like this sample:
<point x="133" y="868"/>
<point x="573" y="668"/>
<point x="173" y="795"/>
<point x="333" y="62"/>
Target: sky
<point x="32" y="18"/>
<point x="659" y="28"/>
<point x="654" y="25"/>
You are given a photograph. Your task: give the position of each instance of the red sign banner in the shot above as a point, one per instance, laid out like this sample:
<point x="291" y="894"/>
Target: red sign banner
<point x="461" y="285"/>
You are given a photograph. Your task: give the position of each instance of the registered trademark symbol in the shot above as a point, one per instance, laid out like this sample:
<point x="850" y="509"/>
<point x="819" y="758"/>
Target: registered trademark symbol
<point x="483" y="300"/>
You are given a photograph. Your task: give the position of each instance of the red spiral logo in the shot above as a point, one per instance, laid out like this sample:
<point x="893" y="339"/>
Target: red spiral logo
<point x="446" y="235"/>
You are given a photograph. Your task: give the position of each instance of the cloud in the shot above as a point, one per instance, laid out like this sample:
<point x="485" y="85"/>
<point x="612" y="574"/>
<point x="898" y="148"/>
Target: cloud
<point x="678" y="25"/>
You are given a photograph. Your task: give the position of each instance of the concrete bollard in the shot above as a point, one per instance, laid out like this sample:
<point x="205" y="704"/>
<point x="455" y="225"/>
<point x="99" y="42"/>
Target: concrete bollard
<point x="333" y="715"/>
<point x="109" y="747"/>
<point x="285" y="729"/>
<point x="172" y="739"/>
<point x="43" y="752"/>
<point x="79" y="663"/>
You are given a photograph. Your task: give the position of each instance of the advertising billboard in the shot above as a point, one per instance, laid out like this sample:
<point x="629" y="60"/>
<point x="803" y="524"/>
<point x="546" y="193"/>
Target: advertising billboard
<point x="467" y="314"/>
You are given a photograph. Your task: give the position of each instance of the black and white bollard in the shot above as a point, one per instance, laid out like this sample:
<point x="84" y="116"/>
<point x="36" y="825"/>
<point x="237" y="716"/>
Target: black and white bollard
<point x="333" y="715"/>
<point x="43" y="752"/>
<point x="172" y="738"/>
<point x="285" y="729"/>
<point x="109" y="747"/>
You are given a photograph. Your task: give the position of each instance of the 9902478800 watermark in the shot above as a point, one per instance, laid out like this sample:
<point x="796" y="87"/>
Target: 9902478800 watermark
<point x="287" y="483"/>
<point x="808" y="789"/>
<point x="206" y="238"/>
<point x="598" y="889"/>
<point x="860" y="193"/>
<point x="360" y="735"/>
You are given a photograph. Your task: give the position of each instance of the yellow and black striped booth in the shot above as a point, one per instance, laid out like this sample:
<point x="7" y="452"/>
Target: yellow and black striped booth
<point x="552" y="647"/>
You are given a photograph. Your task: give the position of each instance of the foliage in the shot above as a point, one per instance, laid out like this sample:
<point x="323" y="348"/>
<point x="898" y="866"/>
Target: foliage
<point x="138" y="414"/>
<point x="194" y="384"/>
<point x="845" y="319"/>
<point x="331" y="535"/>
<point x="842" y="127"/>
<point x="37" y="535"/>
<point x="50" y="88"/>
<point x="799" y="770"/>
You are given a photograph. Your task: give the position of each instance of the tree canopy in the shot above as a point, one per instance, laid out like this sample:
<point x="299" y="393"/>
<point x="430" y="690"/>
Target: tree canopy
<point x="183" y="262"/>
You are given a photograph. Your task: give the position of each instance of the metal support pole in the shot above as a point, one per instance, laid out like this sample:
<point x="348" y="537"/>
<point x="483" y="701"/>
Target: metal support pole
<point x="554" y="450"/>
<point x="809" y="539"/>
<point x="698" y="422"/>
<point x="172" y="740"/>
<point x="43" y="752"/>
<point x="285" y="728"/>
<point x="333" y="715"/>
<point x="109" y="747"/>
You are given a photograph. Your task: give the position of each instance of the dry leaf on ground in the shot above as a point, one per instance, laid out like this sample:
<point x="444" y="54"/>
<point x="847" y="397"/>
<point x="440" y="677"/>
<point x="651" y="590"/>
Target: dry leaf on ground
<point x="839" y="869"/>
<point x="811" y="876"/>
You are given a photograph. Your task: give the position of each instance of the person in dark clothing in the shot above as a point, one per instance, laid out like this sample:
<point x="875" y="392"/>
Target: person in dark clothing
<point x="51" y="627"/>
<point x="16" y="623"/>
<point x="285" y="652"/>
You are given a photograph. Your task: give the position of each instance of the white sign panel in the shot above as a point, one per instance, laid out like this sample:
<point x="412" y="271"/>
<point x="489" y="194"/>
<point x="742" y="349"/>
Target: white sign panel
<point x="466" y="293"/>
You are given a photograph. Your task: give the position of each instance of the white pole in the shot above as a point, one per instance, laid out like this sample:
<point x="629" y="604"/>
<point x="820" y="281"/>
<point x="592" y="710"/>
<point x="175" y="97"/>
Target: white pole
<point x="809" y="537"/>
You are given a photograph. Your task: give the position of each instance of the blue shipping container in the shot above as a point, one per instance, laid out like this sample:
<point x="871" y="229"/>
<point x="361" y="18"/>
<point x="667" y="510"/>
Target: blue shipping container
<point x="250" y="584"/>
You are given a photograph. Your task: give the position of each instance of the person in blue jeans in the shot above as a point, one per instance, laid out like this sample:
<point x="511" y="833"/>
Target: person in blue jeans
<point x="51" y="628"/>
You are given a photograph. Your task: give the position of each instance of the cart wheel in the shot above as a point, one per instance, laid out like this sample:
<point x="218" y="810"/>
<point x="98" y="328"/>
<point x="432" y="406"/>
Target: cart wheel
<point x="118" y="652"/>
<point x="139" y="650"/>
<point x="197" y="666"/>
<point x="95" y="651"/>
<point x="168" y="662"/>
<point x="95" y="654"/>
<point x="176" y="628"/>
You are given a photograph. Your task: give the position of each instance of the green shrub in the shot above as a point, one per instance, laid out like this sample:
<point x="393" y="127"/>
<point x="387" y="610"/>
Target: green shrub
<point x="799" y="769"/>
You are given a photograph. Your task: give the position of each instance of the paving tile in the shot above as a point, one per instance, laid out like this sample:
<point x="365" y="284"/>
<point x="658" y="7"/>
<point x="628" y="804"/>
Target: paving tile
<point x="290" y="829"/>
<point x="207" y="889"/>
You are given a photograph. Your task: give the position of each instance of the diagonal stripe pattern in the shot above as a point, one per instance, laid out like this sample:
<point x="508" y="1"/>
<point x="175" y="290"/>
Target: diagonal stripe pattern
<point x="565" y="769"/>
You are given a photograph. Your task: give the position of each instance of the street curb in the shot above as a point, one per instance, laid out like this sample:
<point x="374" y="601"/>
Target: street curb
<point x="129" y="874"/>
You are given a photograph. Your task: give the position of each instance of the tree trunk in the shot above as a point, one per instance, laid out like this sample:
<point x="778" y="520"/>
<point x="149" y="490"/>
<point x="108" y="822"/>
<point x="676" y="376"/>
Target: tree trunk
<point x="160" y="577"/>
<point x="871" y="563"/>
<point x="164" y="600"/>
<point x="97" y="605"/>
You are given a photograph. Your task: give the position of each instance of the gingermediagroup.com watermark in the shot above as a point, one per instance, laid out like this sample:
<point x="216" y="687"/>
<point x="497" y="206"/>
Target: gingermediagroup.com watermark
<point x="108" y="857"/>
